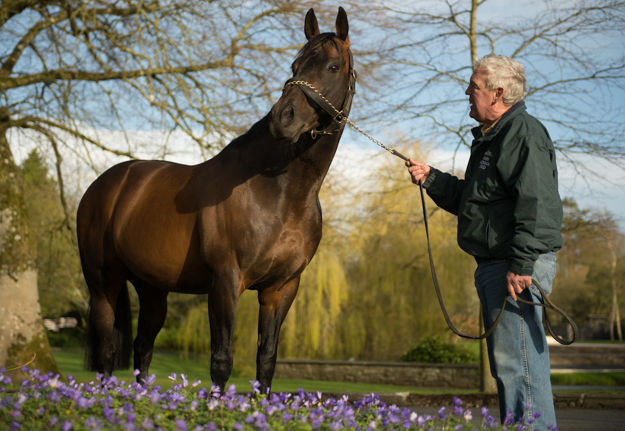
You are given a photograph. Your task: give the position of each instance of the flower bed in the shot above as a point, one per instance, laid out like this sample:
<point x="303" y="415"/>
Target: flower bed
<point x="45" y="402"/>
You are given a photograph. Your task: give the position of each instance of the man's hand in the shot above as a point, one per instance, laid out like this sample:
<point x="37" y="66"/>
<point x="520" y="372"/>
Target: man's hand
<point x="418" y="171"/>
<point x="517" y="283"/>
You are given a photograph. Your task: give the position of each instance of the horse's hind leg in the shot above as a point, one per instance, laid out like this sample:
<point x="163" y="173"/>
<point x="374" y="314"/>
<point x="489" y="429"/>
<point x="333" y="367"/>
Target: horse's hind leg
<point x="110" y="327"/>
<point x="274" y="305"/>
<point x="152" y="313"/>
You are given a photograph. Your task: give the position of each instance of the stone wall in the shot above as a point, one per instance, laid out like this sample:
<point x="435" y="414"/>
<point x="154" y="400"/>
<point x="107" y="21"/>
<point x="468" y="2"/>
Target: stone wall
<point x="457" y="376"/>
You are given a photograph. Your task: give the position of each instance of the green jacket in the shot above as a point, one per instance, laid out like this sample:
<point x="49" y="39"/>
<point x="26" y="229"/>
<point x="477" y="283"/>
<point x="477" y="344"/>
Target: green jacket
<point x="508" y="205"/>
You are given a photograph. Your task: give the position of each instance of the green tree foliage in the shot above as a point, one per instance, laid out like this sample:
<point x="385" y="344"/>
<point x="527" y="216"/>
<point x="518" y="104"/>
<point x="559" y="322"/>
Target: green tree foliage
<point x="591" y="264"/>
<point x="60" y="282"/>
<point x="392" y="303"/>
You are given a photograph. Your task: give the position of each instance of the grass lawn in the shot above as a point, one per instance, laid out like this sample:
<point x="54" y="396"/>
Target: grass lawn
<point x="71" y="362"/>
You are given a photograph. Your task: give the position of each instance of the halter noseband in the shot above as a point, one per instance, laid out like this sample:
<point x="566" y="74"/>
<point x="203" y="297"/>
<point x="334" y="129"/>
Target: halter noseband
<point x="338" y="116"/>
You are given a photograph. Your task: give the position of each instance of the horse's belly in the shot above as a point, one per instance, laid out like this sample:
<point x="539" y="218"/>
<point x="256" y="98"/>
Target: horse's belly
<point x="163" y="252"/>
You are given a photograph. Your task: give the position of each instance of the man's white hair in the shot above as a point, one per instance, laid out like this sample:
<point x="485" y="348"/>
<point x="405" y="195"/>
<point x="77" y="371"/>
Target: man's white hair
<point x="506" y="73"/>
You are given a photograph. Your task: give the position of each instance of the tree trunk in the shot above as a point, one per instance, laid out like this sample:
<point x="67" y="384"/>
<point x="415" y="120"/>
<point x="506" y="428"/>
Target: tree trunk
<point x="615" y="317"/>
<point x="22" y="334"/>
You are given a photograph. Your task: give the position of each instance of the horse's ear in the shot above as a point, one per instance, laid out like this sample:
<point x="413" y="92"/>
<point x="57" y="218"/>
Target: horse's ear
<point x="342" y="26"/>
<point x="311" y="27"/>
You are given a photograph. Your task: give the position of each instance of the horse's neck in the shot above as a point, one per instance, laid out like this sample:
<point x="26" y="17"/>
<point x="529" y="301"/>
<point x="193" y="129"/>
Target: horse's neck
<point x="302" y="166"/>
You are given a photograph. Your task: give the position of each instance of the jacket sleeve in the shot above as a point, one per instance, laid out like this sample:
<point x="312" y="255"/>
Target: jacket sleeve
<point x="444" y="189"/>
<point x="531" y="176"/>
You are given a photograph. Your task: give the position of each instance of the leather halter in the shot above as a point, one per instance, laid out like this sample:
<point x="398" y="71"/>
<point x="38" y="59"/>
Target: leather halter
<point x="338" y="116"/>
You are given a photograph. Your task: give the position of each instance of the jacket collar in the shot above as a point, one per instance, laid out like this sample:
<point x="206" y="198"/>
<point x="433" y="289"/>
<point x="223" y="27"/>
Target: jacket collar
<point x="515" y="110"/>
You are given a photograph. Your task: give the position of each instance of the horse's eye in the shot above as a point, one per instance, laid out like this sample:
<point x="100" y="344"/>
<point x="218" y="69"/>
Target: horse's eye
<point x="333" y="68"/>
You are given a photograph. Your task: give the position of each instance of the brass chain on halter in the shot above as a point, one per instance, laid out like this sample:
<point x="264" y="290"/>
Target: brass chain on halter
<point x="340" y="117"/>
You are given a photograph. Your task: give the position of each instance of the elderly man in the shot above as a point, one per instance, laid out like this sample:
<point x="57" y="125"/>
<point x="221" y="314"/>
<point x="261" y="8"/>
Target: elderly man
<point x="509" y="216"/>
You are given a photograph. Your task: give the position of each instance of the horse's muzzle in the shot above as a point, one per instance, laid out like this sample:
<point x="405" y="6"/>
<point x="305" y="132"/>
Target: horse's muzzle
<point x="285" y="125"/>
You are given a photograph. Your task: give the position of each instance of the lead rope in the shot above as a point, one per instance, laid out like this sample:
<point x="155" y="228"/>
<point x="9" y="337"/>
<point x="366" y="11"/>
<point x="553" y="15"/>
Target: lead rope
<point x="545" y="302"/>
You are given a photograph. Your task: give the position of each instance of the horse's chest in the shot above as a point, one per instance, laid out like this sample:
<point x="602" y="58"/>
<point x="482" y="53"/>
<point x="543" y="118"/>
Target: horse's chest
<point x="279" y="260"/>
<point x="266" y="250"/>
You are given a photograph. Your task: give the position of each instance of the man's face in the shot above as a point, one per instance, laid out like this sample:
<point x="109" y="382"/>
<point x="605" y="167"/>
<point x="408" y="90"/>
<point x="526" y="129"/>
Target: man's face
<point x="481" y="98"/>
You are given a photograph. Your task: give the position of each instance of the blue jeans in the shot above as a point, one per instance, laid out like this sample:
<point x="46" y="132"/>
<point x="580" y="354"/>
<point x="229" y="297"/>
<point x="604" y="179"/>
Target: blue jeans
<point x="517" y="350"/>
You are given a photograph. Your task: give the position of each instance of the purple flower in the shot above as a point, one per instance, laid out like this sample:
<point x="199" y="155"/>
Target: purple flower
<point x="53" y="421"/>
<point x="484" y="412"/>
<point x="136" y="372"/>
<point x="255" y="386"/>
<point x="213" y="404"/>
<point x="467" y="415"/>
<point x="185" y="382"/>
<point x="211" y="427"/>
<point x="181" y="424"/>
<point x="457" y="401"/>
<point x="215" y="390"/>
<point x="509" y="420"/>
<point x="67" y="425"/>
<point x="172" y="377"/>
<point x="155" y="397"/>
<point x="92" y="422"/>
<point x="441" y="413"/>
<point x="150" y="380"/>
<point x="237" y="425"/>
<point x="231" y="392"/>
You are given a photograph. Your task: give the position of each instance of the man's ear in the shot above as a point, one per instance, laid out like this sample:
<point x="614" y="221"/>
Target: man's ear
<point x="499" y="94"/>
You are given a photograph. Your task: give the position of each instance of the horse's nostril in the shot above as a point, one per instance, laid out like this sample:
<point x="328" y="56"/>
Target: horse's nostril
<point x="287" y="116"/>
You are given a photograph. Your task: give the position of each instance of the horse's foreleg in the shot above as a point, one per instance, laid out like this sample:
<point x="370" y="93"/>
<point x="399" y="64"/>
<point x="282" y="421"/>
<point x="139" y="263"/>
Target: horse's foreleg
<point x="222" y="304"/>
<point x="152" y="313"/>
<point x="274" y="305"/>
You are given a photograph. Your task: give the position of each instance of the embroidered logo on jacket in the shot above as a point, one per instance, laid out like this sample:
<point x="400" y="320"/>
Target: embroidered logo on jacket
<point x="485" y="162"/>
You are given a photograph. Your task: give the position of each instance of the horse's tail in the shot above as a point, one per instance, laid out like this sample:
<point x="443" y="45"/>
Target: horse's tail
<point x="122" y="335"/>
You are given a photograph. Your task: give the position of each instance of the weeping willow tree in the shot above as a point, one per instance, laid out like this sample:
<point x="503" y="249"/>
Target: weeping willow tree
<point x="392" y="302"/>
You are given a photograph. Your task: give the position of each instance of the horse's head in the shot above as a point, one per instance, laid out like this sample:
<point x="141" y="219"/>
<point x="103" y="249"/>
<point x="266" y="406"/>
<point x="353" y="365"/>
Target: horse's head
<point x="322" y="72"/>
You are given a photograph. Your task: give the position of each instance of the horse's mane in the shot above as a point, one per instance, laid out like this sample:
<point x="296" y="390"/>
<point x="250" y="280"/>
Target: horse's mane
<point x="260" y="128"/>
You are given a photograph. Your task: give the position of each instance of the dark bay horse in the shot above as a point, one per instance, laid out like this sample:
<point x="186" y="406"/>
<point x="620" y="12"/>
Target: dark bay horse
<point x="248" y="219"/>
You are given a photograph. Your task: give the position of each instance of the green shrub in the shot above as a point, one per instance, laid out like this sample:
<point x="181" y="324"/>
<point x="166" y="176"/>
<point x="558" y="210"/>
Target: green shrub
<point x="435" y="350"/>
<point x="72" y="338"/>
